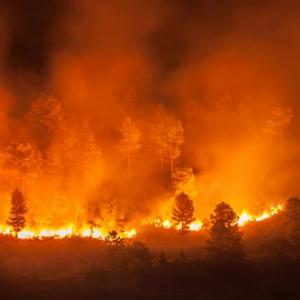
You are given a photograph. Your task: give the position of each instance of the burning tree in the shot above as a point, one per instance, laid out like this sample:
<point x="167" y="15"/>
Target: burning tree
<point x="24" y="160"/>
<point x="91" y="158"/>
<point x="167" y="135"/>
<point x="75" y="163"/>
<point x="46" y="112"/>
<point x="279" y="123"/>
<point x="131" y="140"/>
<point x="17" y="212"/>
<point x="225" y="243"/>
<point x="183" y="212"/>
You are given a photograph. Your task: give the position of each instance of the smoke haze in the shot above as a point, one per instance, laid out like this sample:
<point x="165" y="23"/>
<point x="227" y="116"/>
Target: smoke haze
<point x="219" y="67"/>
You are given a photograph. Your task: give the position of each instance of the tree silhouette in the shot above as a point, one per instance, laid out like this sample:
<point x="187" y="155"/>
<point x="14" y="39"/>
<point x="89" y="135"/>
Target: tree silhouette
<point x="46" y="112"/>
<point x="183" y="212"/>
<point x="167" y="135"/>
<point x="24" y="161"/>
<point x="131" y="140"/>
<point x="225" y="243"/>
<point x="94" y="216"/>
<point x="292" y="216"/>
<point x="162" y="260"/>
<point x="75" y="163"/>
<point x="278" y="124"/>
<point x="114" y="240"/>
<point x="140" y="258"/>
<point x="17" y="212"/>
<point x="91" y="158"/>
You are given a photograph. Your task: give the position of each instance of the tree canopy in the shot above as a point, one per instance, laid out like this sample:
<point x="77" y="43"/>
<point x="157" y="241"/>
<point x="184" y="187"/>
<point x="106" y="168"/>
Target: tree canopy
<point x="17" y="212"/>
<point x="225" y="243"/>
<point x="183" y="212"/>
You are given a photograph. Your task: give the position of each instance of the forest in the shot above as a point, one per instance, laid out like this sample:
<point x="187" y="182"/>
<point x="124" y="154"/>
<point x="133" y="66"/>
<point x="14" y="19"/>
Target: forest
<point x="149" y="149"/>
<point x="261" y="261"/>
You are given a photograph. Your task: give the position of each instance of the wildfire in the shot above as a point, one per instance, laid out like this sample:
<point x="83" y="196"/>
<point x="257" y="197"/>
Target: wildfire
<point x="196" y="225"/>
<point x="67" y="232"/>
<point x="101" y="233"/>
<point x="245" y="217"/>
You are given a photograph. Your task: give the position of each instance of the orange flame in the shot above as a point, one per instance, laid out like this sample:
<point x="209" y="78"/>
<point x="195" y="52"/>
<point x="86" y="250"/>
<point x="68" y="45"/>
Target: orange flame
<point x="245" y="217"/>
<point x="101" y="233"/>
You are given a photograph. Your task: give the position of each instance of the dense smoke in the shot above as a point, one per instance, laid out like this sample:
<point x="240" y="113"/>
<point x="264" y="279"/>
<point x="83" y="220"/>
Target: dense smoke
<point x="225" y="70"/>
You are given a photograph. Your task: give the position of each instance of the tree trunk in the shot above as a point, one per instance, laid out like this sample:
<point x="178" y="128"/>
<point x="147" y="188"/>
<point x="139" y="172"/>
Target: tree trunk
<point x="17" y="226"/>
<point x="182" y="230"/>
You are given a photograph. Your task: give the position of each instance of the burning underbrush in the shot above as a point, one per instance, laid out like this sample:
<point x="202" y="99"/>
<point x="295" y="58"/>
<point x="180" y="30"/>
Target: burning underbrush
<point x="101" y="233"/>
<point x="160" y="258"/>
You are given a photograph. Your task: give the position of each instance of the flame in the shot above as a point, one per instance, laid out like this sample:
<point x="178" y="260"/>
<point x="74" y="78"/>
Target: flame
<point x="196" y="226"/>
<point x="66" y="232"/>
<point x="101" y="233"/>
<point x="129" y="234"/>
<point x="86" y="233"/>
<point x="26" y="234"/>
<point x="161" y="223"/>
<point x="5" y="230"/>
<point x="167" y="224"/>
<point x="245" y="217"/>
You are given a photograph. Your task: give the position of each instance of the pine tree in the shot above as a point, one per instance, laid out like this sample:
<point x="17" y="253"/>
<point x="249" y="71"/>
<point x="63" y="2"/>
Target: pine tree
<point x="183" y="212"/>
<point x="91" y="158"/>
<point x="24" y="161"/>
<point x="162" y="261"/>
<point x="17" y="212"/>
<point x="279" y="123"/>
<point x="225" y="243"/>
<point x="75" y="164"/>
<point x="131" y="140"/>
<point x="46" y="112"/>
<point x="139" y="256"/>
<point x="167" y="136"/>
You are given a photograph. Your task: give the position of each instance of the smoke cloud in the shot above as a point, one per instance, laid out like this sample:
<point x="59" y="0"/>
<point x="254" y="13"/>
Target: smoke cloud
<point x="220" y="67"/>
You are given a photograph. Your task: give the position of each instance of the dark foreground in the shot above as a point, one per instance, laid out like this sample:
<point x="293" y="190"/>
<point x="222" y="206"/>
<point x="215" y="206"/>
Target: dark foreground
<point x="88" y="269"/>
<point x="177" y="281"/>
